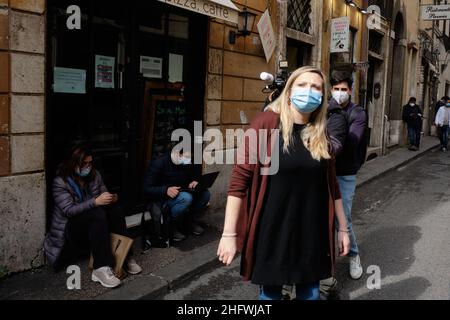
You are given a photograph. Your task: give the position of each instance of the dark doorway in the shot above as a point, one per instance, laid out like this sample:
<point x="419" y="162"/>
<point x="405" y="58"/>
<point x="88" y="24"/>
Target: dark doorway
<point x="111" y="117"/>
<point x="298" y="54"/>
<point x="398" y="70"/>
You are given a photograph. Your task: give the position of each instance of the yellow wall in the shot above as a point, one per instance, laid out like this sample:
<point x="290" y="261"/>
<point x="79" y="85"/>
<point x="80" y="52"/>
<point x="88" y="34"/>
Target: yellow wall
<point x="233" y="83"/>
<point x="335" y="9"/>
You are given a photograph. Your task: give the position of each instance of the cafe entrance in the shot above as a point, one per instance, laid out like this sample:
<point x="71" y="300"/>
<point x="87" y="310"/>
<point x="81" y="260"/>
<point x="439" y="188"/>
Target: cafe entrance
<point x="134" y="72"/>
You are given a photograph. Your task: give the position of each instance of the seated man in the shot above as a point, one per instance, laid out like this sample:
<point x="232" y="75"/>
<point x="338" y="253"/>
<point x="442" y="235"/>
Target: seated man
<point x="164" y="181"/>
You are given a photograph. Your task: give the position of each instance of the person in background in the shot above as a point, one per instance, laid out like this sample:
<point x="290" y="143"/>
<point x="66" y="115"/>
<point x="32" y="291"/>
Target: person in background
<point x="164" y="181"/>
<point x="439" y="104"/>
<point x="347" y="125"/>
<point x="84" y="215"/>
<point x="284" y="223"/>
<point x="442" y="121"/>
<point x="412" y="116"/>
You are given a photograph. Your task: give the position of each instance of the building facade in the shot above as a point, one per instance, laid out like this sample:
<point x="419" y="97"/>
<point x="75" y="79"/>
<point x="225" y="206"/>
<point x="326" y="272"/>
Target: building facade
<point x="121" y="81"/>
<point x="133" y="73"/>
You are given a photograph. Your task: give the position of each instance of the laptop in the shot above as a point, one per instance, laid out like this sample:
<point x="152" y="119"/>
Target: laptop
<point x="205" y="182"/>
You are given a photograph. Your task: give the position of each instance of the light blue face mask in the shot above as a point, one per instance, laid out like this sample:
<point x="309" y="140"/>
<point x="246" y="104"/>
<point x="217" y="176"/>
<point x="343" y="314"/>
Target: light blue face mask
<point x="84" y="172"/>
<point x="306" y="100"/>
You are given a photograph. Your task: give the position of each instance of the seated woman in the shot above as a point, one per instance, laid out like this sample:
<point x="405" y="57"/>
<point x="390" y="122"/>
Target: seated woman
<point x="85" y="213"/>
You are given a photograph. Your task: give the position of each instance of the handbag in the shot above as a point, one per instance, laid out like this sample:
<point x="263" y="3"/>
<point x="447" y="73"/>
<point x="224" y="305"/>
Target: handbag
<point x="120" y="246"/>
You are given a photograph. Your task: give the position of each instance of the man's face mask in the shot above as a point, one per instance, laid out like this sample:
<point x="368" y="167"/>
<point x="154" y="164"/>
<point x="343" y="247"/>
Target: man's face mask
<point x="341" y="96"/>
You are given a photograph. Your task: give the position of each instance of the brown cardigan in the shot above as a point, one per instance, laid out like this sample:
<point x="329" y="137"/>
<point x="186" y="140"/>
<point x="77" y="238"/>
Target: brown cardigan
<point x="248" y="184"/>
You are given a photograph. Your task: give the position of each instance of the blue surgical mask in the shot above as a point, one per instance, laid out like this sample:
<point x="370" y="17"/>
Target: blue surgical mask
<point x="306" y="100"/>
<point x="84" y="172"/>
<point x="447" y="104"/>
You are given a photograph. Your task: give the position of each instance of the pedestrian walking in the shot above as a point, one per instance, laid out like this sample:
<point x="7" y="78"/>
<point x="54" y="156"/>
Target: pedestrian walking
<point x="412" y="116"/>
<point x="442" y="121"/>
<point x="347" y="126"/>
<point x="284" y="223"/>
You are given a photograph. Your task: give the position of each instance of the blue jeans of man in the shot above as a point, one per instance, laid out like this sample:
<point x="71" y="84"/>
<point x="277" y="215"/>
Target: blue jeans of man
<point x="308" y="291"/>
<point x="347" y="184"/>
<point x="185" y="200"/>
<point x="414" y="136"/>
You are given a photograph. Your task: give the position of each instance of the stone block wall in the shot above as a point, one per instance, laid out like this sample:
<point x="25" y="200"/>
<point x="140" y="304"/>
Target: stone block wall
<point x="234" y="91"/>
<point x="22" y="128"/>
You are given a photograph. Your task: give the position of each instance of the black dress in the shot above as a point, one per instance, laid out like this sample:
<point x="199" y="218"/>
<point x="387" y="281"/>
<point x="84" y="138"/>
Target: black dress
<point x="292" y="242"/>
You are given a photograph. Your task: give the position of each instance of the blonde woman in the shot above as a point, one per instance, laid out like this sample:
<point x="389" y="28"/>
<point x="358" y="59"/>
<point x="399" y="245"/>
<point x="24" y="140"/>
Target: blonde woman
<point x="283" y="224"/>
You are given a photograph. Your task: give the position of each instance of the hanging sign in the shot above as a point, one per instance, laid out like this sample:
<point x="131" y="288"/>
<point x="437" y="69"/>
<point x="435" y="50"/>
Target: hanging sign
<point x="340" y="35"/>
<point x="266" y="34"/>
<point x="437" y="12"/>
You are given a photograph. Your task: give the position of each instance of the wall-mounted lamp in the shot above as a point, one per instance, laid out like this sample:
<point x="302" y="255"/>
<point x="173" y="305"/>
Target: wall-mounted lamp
<point x="352" y="4"/>
<point x="246" y="20"/>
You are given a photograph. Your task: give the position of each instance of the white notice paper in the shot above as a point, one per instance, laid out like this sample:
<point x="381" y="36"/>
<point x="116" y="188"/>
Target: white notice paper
<point x="175" y="68"/>
<point x="151" y="67"/>
<point x="66" y="80"/>
<point x="104" y="72"/>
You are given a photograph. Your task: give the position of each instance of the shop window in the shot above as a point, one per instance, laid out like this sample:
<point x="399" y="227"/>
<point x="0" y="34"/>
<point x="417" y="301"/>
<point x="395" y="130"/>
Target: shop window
<point x="299" y="15"/>
<point x="375" y="42"/>
<point x="298" y="54"/>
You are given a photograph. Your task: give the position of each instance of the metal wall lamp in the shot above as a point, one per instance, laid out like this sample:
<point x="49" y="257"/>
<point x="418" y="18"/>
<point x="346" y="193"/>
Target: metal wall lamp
<point x="246" y="20"/>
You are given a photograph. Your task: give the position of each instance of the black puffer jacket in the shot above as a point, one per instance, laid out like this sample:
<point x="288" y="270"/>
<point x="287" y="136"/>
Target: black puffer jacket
<point x="68" y="205"/>
<point x="163" y="174"/>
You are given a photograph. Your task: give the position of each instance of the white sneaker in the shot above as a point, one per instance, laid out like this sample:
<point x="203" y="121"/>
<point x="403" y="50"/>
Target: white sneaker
<point x="106" y="277"/>
<point x="132" y="267"/>
<point x="356" y="269"/>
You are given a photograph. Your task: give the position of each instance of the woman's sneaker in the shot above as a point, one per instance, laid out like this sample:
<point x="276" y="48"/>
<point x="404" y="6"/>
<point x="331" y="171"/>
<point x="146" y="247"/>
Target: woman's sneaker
<point x="106" y="277"/>
<point x="132" y="267"/>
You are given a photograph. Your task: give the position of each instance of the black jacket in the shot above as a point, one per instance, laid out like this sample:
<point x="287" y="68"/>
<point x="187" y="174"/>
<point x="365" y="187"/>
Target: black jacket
<point x="163" y="174"/>
<point x="412" y="115"/>
<point x="347" y="129"/>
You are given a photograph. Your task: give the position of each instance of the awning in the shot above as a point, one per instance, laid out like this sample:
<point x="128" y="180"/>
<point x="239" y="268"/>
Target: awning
<point x="220" y="9"/>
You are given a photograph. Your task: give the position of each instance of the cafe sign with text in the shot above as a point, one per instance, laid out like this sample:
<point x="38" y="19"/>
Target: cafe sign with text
<point x="437" y="12"/>
<point x="220" y="9"/>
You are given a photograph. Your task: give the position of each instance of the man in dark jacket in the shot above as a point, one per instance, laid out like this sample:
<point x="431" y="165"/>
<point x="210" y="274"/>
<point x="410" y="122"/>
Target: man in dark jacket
<point x="170" y="180"/>
<point x="347" y="128"/>
<point x="412" y="115"/>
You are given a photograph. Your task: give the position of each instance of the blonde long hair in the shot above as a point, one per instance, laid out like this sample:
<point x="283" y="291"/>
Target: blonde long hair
<point x="313" y="136"/>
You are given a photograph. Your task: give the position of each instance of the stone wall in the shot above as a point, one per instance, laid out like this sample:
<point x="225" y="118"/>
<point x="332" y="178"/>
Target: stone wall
<point x="22" y="143"/>
<point x="233" y="95"/>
